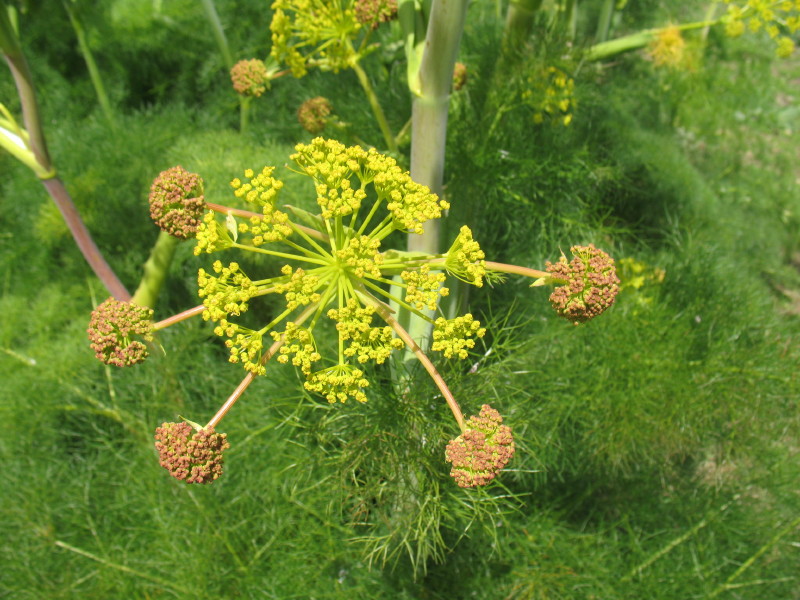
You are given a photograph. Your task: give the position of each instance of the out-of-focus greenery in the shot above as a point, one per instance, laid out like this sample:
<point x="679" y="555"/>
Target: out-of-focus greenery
<point x="657" y="446"/>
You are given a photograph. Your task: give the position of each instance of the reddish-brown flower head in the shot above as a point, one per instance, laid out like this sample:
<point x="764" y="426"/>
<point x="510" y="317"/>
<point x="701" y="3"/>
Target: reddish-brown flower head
<point x="190" y="455"/>
<point x="482" y="450"/>
<point x="375" y="12"/>
<point x="250" y="77"/>
<point x="177" y="202"/>
<point x="116" y="329"/>
<point x="590" y="283"/>
<point x="459" y="76"/>
<point x="313" y="114"/>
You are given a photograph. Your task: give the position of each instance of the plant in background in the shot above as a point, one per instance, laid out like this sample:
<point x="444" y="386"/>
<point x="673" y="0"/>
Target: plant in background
<point x="250" y="77"/>
<point x="336" y="270"/>
<point x="780" y="19"/>
<point x="331" y="36"/>
<point x="314" y="114"/>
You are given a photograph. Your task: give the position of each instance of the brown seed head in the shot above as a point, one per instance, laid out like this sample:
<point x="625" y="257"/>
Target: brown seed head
<point x="478" y="454"/>
<point x="313" y="114"/>
<point x="250" y="77"/>
<point x="177" y="202"/>
<point x="113" y="329"/>
<point x="459" y="76"/>
<point x="590" y="284"/>
<point x="374" y="12"/>
<point x="189" y="455"/>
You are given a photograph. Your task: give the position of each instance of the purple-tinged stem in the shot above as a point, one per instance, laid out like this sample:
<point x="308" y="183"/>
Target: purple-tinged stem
<point x="55" y="187"/>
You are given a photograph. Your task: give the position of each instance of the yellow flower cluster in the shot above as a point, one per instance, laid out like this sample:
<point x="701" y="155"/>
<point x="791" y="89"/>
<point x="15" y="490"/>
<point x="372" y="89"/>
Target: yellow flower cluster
<point x="299" y="342"/>
<point x="314" y="33"/>
<point x="668" y="49"/>
<point x="551" y="93"/>
<point x="300" y="289"/>
<point x="780" y="19"/>
<point x="338" y="383"/>
<point x="354" y="323"/>
<point x="245" y="345"/>
<point x="453" y="337"/>
<point x="361" y="256"/>
<point x="212" y="236"/>
<point x="465" y="259"/>
<point x="227" y="294"/>
<point x="424" y="287"/>
<point x="261" y="189"/>
<point x="331" y="165"/>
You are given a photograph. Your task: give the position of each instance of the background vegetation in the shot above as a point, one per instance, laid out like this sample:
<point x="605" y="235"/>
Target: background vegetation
<point x="657" y="447"/>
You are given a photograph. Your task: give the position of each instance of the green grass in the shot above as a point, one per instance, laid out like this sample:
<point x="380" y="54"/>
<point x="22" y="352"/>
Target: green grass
<point x="657" y="447"/>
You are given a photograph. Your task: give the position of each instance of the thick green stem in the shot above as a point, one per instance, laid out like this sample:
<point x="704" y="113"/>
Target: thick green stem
<point x="91" y="65"/>
<point x="155" y="270"/>
<point x="380" y="117"/>
<point x="429" y="124"/>
<point x="244" y="113"/>
<point x="518" y="26"/>
<point x="604" y="20"/>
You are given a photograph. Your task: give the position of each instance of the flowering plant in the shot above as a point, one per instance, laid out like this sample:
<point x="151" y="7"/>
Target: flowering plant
<point x="337" y="270"/>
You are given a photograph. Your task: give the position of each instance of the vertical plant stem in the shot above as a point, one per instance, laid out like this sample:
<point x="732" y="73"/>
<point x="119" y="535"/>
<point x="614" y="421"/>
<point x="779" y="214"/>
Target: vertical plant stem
<point x="155" y="270"/>
<point x="219" y="32"/>
<point x="227" y="57"/>
<point x="244" y="113"/>
<point x="91" y="65"/>
<point x="604" y="20"/>
<point x="518" y="26"/>
<point x="380" y="116"/>
<point x="429" y="126"/>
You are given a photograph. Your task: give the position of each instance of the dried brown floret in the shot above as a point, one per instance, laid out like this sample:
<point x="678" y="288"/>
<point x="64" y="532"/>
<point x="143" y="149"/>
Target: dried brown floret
<point x="590" y="283"/>
<point x="375" y="12"/>
<point x="193" y="456"/>
<point x="250" y="77"/>
<point x="177" y="202"/>
<point x="482" y="450"/>
<point x="116" y="330"/>
<point x="313" y="114"/>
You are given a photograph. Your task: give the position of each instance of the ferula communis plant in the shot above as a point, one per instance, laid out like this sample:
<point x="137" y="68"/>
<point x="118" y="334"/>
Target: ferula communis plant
<point x="337" y="270"/>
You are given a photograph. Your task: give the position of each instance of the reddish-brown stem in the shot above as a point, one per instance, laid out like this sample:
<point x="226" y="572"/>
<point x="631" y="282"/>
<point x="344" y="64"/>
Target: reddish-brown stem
<point x="248" y="379"/>
<point x="237" y="393"/>
<point x="386" y="315"/>
<point x="516" y="270"/>
<point x="182" y="316"/>
<point x="55" y="187"/>
<point x="247" y="214"/>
